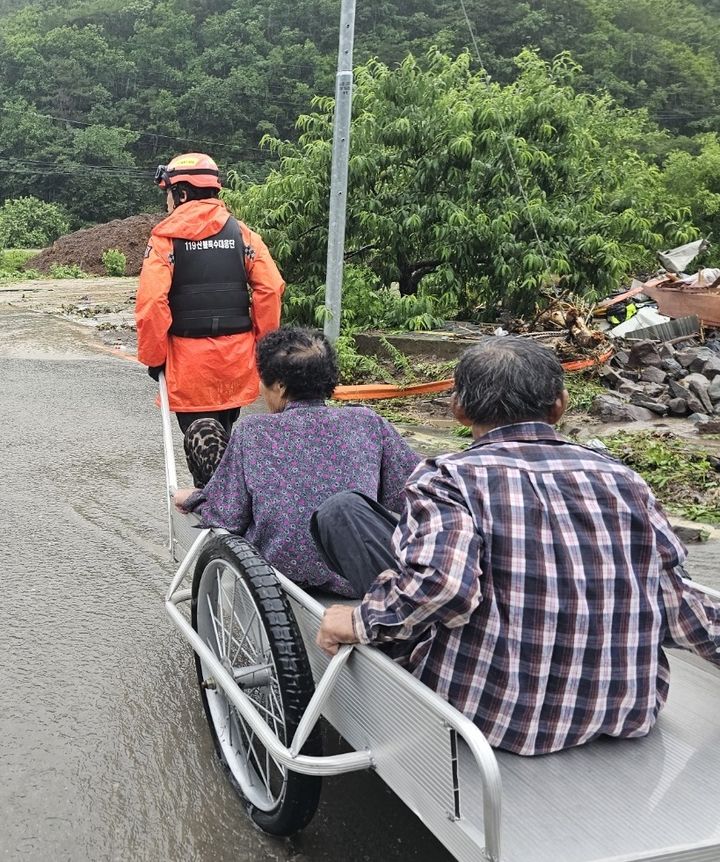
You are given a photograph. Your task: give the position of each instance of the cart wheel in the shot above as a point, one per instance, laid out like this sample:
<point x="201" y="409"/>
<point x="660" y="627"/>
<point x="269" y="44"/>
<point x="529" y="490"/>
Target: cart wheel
<point x="240" y="611"/>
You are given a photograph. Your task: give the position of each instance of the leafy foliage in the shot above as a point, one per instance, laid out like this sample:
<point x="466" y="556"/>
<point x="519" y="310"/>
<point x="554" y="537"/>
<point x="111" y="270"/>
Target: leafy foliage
<point x="694" y="180"/>
<point x="14" y="259"/>
<point x="583" y="389"/>
<point x="30" y="223"/>
<point x="114" y="262"/>
<point x="389" y="366"/>
<point x="72" y="270"/>
<point x="366" y="304"/>
<point x="94" y="93"/>
<point x="12" y="263"/>
<point x="356" y="368"/>
<point x="497" y="192"/>
<point x="681" y="476"/>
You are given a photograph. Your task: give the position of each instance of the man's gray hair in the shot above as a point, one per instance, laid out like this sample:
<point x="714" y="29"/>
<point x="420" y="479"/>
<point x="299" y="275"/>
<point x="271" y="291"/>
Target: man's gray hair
<point x="506" y="379"/>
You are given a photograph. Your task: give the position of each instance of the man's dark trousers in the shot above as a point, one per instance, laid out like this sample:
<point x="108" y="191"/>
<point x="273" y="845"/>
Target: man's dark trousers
<point x="352" y="533"/>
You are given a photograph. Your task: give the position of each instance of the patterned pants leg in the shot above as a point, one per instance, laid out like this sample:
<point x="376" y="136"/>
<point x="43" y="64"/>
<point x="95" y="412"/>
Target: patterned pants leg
<point x="205" y="443"/>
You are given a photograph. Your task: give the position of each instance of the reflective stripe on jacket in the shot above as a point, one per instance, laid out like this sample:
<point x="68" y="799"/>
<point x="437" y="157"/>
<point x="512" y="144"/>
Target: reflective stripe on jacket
<point x="204" y="373"/>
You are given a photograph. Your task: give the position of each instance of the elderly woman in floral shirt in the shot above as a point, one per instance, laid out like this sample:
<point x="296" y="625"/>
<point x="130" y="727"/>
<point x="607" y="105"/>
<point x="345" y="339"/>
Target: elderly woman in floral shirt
<point x="277" y="468"/>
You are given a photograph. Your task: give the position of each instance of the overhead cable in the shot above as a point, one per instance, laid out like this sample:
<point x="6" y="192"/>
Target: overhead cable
<point x="506" y="141"/>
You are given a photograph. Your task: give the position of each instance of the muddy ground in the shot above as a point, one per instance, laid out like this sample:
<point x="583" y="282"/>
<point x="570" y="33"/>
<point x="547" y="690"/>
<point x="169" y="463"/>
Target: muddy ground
<point x="103" y="304"/>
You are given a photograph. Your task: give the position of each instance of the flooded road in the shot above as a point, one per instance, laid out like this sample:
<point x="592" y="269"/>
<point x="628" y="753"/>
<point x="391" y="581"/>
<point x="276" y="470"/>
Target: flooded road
<point x="104" y="751"/>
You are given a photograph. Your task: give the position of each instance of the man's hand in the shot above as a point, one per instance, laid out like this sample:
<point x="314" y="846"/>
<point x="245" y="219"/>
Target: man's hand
<point x="336" y="628"/>
<point x="180" y="497"/>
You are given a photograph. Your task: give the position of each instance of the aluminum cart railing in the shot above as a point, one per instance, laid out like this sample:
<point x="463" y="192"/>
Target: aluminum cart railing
<point x="654" y="798"/>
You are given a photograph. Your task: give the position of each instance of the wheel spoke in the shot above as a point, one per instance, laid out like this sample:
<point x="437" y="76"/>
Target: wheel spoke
<point x="239" y="645"/>
<point x="279" y="712"/>
<point x="225" y="601"/>
<point x="232" y="614"/>
<point x="220" y="594"/>
<point x="250" y="736"/>
<point x="262" y="774"/>
<point x="219" y="642"/>
<point x="253" y="759"/>
<point x="245" y="639"/>
<point x="266" y="711"/>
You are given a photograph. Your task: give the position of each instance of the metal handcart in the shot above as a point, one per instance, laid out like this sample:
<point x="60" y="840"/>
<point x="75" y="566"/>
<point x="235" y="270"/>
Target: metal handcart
<point x="265" y="684"/>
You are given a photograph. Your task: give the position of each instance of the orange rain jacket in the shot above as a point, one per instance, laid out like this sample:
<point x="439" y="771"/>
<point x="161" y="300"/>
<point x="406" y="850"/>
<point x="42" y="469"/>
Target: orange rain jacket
<point x="204" y="373"/>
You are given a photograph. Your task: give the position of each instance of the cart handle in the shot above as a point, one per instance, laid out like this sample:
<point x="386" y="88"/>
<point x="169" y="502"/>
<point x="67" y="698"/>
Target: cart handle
<point x="170" y="471"/>
<point x="171" y="482"/>
<point x="338" y="763"/>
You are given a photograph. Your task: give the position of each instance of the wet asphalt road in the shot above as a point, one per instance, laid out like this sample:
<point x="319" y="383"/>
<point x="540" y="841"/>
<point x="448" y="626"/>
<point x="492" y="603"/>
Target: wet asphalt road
<point x="104" y="752"/>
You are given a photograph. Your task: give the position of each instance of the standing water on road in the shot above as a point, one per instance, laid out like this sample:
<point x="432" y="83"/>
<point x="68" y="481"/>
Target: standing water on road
<point x="105" y="751"/>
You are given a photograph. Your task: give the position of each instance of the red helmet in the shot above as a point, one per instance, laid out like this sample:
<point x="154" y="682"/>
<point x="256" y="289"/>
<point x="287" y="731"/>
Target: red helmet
<point x="194" y="168"/>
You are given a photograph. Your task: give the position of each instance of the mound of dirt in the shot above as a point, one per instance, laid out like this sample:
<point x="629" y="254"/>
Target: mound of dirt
<point x="86" y="247"/>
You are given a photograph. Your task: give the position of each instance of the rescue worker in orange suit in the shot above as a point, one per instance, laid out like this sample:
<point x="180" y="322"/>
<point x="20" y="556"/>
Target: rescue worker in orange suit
<point x="209" y="290"/>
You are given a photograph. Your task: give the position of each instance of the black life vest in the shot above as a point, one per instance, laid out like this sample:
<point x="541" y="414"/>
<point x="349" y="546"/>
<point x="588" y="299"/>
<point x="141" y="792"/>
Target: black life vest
<point x="209" y="292"/>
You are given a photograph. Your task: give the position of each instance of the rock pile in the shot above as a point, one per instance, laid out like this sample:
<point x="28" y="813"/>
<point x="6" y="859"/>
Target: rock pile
<point x="651" y="379"/>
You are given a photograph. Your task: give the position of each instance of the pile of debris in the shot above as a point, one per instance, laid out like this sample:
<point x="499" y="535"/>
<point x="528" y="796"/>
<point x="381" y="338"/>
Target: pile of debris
<point x="563" y="326"/>
<point x="668" y="305"/>
<point x="651" y="380"/>
<point x="86" y="247"/>
<point x="568" y="318"/>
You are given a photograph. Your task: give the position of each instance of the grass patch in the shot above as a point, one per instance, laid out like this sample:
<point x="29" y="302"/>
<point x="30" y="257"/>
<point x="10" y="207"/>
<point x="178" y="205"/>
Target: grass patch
<point x="583" y="390"/>
<point x="681" y="476"/>
<point x="12" y="261"/>
<point x="71" y="270"/>
<point x="19" y="275"/>
<point x="396" y="410"/>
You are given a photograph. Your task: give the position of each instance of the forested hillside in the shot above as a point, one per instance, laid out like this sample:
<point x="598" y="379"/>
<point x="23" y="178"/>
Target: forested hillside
<point x="93" y="94"/>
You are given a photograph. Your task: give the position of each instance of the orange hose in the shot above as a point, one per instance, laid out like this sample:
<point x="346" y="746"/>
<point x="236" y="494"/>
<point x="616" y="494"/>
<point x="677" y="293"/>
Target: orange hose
<point x="368" y="391"/>
<point x="375" y="391"/>
<point x="372" y="391"/>
<point x="582" y="364"/>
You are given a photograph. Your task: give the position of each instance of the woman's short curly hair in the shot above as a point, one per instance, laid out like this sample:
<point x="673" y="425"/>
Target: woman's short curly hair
<point x="303" y="360"/>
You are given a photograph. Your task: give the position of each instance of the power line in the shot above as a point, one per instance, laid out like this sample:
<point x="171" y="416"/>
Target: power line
<point x="126" y="169"/>
<point x="46" y="172"/>
<point x="153" y="135"/>
<point x="503" y="132"/>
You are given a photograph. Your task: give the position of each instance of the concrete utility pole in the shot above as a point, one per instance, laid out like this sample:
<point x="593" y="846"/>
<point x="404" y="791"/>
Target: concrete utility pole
<point x="339" y="171"/>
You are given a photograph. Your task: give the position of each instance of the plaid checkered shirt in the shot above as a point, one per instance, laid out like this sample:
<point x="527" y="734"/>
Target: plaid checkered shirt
<point x="537" y="582"/>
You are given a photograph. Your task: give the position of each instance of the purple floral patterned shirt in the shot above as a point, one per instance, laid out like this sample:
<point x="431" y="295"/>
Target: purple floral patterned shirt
<point x="279" y="467"/>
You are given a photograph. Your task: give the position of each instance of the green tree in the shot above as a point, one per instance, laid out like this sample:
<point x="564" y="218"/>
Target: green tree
<point x="693" y="180"/>
<point x="219" y="74"/>
<point x="497" y="191"/>
<point x="30" y="223"/>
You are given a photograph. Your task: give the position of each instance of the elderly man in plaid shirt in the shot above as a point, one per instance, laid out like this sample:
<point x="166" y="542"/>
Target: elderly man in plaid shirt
<point x="531" y="581"/>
